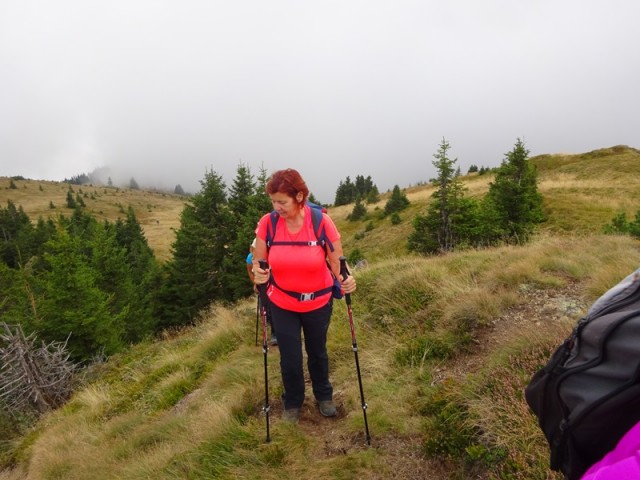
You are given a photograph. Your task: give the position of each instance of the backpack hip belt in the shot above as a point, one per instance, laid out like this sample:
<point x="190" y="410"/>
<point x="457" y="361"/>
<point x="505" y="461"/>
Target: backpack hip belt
<point x="303" y="296"/>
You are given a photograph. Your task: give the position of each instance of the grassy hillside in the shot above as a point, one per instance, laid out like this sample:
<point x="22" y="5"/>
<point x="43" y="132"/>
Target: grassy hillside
<point x="446" y="345"/>
<point x="581" y="194"/>
<point x="158" y="213"/>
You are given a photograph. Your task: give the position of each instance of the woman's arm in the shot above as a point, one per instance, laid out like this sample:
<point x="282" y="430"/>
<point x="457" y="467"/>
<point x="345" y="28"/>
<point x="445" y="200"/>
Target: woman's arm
<point x="260" y="253"/>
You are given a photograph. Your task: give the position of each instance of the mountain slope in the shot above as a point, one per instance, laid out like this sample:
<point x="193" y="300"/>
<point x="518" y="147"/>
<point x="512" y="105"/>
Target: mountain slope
<point x="158" y="213"/>
<point x="446" y="345"/>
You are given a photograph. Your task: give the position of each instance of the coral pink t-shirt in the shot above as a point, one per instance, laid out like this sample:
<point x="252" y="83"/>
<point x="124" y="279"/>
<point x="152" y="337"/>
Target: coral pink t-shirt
<point x="297" y="268"/>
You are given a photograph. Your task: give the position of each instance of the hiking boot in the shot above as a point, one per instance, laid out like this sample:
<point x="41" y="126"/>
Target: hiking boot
<point x="274" y="340"/>
<point x="327" y="408"/>
<point x="291" y="415"/>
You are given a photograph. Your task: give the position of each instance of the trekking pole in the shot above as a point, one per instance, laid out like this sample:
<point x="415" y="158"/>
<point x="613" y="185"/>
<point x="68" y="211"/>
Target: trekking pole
<point x="262" y="290"/>
<point x="344" y="272"/>
<point x="258" y="309"/>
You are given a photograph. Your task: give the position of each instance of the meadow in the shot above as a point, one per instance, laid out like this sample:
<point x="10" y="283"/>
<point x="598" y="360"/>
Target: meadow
<point x="446" y="346"/>
<point x="157" y="212"/>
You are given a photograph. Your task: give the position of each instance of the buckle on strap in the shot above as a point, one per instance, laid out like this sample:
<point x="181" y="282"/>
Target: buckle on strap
<point x="305" y="297"/>
<point x="316" y="243"/>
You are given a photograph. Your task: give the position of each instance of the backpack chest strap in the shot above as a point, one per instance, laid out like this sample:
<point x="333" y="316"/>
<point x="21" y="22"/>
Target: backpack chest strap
<point x="309" y="243"/>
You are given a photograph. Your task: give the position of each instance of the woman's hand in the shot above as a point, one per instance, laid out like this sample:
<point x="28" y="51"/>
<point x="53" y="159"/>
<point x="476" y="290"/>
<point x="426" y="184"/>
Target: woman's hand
<point x="260" y="276"/>
<point x="348" y="284"/>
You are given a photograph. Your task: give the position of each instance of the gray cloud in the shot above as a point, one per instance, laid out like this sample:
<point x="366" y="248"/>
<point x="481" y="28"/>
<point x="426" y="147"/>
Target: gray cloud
<point x="164" y="91"/>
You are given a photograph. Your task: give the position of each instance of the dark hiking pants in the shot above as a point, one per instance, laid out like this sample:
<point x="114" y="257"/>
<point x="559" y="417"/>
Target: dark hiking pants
<point x="290" y="327"/>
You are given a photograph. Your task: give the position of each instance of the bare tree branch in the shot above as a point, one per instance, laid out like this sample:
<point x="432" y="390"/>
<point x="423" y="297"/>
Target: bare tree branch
<point x="33" y="377"/>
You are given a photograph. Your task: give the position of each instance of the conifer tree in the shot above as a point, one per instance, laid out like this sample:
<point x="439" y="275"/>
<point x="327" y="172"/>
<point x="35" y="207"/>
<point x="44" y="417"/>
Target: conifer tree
<point x="446" y="196"/>
<point x="15" y="235"/>
<point x="193" y="277"/>
<point x="450" y="218"/>
<point x="349" y="191"/>
<point x="312" y="198"/>
<point x="359" y="211"/>
<point x="142" y="280"/>
<point x="397" y="202"/>
<point x="72" y="303"/>
<point x="513" y="195"/>
<point x="346" y="192"/>
<point x="262" y="200"/>
<point x="373" y="196"/>
<point x="13" y="302"/>
<point x="246" y="207"/>
<point x="71" y="201"/>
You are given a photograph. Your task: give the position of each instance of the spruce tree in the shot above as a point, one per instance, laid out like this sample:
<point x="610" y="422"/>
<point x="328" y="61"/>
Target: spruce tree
<point x="72" y="304"/>
<point x="246" y="205"/>
<point x="397" y="202"/>
<point x="373" y="196"/>
<point x="311" y="198"/>
<point x="15" y="235"/>
<point x="450" y="219"/>
<point x="193" y="277"/>
<point x="513" y="195"/>
<point x="346" y="192"/>
<point x="71" y="201"/>
<point x="446" y="196"/>
<point x="143" y="277"/>
<point x="261" y="199"/>
<point x="359" y="211"/>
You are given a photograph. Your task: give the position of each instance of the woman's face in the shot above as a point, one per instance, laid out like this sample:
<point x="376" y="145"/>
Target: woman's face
<point x="285" y="205"/>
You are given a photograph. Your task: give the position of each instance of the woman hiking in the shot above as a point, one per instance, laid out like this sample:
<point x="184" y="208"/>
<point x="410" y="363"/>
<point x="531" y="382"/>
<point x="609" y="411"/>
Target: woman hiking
<point x="299" y="289"/>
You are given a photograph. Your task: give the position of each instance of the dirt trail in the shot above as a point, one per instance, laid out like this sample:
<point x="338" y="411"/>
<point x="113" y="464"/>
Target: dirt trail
<point x="402" y="454"/>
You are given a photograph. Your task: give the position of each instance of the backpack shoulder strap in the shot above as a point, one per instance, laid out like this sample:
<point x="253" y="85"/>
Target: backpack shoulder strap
<point x="316" y="221"/>
<point x="271" y="228"/>
<point x="318" y="227"/>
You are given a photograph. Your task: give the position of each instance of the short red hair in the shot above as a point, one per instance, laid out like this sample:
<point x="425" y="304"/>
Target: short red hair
<point x="289" y="182"/>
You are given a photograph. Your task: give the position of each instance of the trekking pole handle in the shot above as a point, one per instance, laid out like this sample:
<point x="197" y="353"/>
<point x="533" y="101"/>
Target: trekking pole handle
<point x="262" y="289"/>
<point x="344" y="273"/>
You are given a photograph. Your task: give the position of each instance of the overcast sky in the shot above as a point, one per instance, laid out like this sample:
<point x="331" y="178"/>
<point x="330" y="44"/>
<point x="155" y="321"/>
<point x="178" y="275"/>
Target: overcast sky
<point x="166" y="90"/>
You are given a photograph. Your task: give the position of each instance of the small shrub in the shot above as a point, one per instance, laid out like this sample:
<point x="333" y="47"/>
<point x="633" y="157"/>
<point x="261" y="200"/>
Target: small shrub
<point x="354" y="257"/>
<point x="447" y="430"/>
<point x="420" y="349"/>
